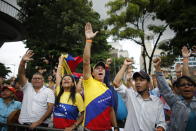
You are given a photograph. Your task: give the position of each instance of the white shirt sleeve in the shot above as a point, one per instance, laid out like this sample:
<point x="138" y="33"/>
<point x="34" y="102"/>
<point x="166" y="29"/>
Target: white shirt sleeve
<point x="161" y="117"/>
<point x="27" y="84"/>
<point x="51" y="97"/>
<point x="122" y="90"/>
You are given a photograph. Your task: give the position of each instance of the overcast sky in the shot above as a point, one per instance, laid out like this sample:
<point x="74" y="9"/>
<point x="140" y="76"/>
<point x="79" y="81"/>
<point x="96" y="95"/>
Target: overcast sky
<point x="10" y="53"/>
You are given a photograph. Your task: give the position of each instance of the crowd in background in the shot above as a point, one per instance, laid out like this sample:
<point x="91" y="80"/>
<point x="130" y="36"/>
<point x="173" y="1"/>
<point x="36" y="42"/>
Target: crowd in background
<point x="134" y="101"/>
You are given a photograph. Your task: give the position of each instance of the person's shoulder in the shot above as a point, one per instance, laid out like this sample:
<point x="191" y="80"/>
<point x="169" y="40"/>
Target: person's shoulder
<point x="89" y="79"/>
<point x="17" y="102"/>
<point x="78" y="96"/>
<point x="155" y="99"/>
<point x="1" y="100"/>
<point x="28" y="85"/>
<point x="47" y="90"/>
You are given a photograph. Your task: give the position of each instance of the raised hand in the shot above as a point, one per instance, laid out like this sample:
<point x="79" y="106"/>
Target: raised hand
<point x="89" y="31"/>
<point x="128" y="61"/>
<point x="108" y="62"/>
<point x="157" y="64"/>
<point x="27" y="56"/>
<point x="185" y="52"/>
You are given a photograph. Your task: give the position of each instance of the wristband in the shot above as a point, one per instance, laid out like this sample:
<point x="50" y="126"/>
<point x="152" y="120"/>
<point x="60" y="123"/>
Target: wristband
<point x="185" y="60"/>
<point x="89" y="41"/>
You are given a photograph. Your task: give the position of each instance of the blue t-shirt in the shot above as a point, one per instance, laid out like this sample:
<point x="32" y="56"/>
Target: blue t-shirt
<point x="6" y="109"/>
<point x="122" y="109"/>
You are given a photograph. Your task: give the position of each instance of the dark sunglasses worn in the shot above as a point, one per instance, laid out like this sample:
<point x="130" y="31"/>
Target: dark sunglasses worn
<point x="186" y="84"/>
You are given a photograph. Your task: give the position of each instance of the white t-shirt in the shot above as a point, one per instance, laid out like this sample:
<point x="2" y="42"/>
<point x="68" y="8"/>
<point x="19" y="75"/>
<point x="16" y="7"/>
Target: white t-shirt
<point x="34" y="104"/>
<point x="143" y="115"/>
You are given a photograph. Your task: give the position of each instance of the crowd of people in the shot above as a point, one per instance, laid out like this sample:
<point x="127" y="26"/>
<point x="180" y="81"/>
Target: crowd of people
<point x="133" y="101"/>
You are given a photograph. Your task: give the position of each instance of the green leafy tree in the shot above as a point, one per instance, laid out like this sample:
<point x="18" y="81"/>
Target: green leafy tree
<point x="181" y="17"/>
<point x="4" y="70"/>
<point x="129" y="19"/>
<point x="57" y="26"/>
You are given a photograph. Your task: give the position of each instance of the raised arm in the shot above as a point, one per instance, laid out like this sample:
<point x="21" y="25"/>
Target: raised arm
<point x="120" y="74"/>
<point x="79" y="85"/>
<point x="128" y="78"/>
<point x="178" y="69"/>
<point x="58" y="73"/>
<point x="164" y="88"/>
<point x="87" y="50"/>
<point x="107" y="71"/>
<point x="21" y="69"/>
<point x="186" y="54"/>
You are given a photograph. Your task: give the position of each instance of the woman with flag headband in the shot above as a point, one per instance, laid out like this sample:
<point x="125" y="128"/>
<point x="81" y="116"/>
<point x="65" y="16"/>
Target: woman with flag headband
<point x="68" y="103"/>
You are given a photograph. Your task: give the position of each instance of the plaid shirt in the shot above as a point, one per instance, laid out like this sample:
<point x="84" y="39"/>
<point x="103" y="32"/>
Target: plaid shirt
<point x="180" y="108"/>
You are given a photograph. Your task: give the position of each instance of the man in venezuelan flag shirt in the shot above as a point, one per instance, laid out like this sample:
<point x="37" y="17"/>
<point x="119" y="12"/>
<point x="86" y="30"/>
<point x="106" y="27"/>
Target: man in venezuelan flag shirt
<point x="98" y="98"/>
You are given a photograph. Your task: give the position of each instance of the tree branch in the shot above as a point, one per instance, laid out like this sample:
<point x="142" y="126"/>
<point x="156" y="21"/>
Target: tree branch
<point x="155" y="46"/>
<point x="136" y="41"/>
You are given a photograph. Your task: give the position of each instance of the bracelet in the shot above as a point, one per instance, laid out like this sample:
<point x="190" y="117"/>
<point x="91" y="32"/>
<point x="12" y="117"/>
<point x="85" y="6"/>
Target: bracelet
<point x="89" y="41"/>
<point x="185" y="60"/>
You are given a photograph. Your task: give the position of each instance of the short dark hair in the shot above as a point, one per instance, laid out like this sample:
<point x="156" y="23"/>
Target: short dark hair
<point x="177" y="82"/>
<point x="141" y="74"/>
<point x="38" y="73"/>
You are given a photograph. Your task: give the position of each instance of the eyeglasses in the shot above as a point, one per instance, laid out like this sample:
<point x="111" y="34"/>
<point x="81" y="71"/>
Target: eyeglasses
<point x="186" y="84"/>
<point x="37" y="78"/>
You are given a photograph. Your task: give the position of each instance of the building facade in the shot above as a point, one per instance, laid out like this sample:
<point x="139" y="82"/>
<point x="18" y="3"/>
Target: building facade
<point x="11" y="28"/>
<point x="117" y="50"/>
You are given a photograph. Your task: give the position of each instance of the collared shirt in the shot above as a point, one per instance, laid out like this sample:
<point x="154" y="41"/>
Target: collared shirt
<point x="143" y="114"/>
<point x="35" y="104"/>
<point x="6" y="109"/>
<point x="180" y="108"/>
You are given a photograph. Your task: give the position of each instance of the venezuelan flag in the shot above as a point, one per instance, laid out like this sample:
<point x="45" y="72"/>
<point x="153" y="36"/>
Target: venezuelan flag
<point x="70" y="64"/>
<point x="65" y="115"/>
<point x="98" y="102"/>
